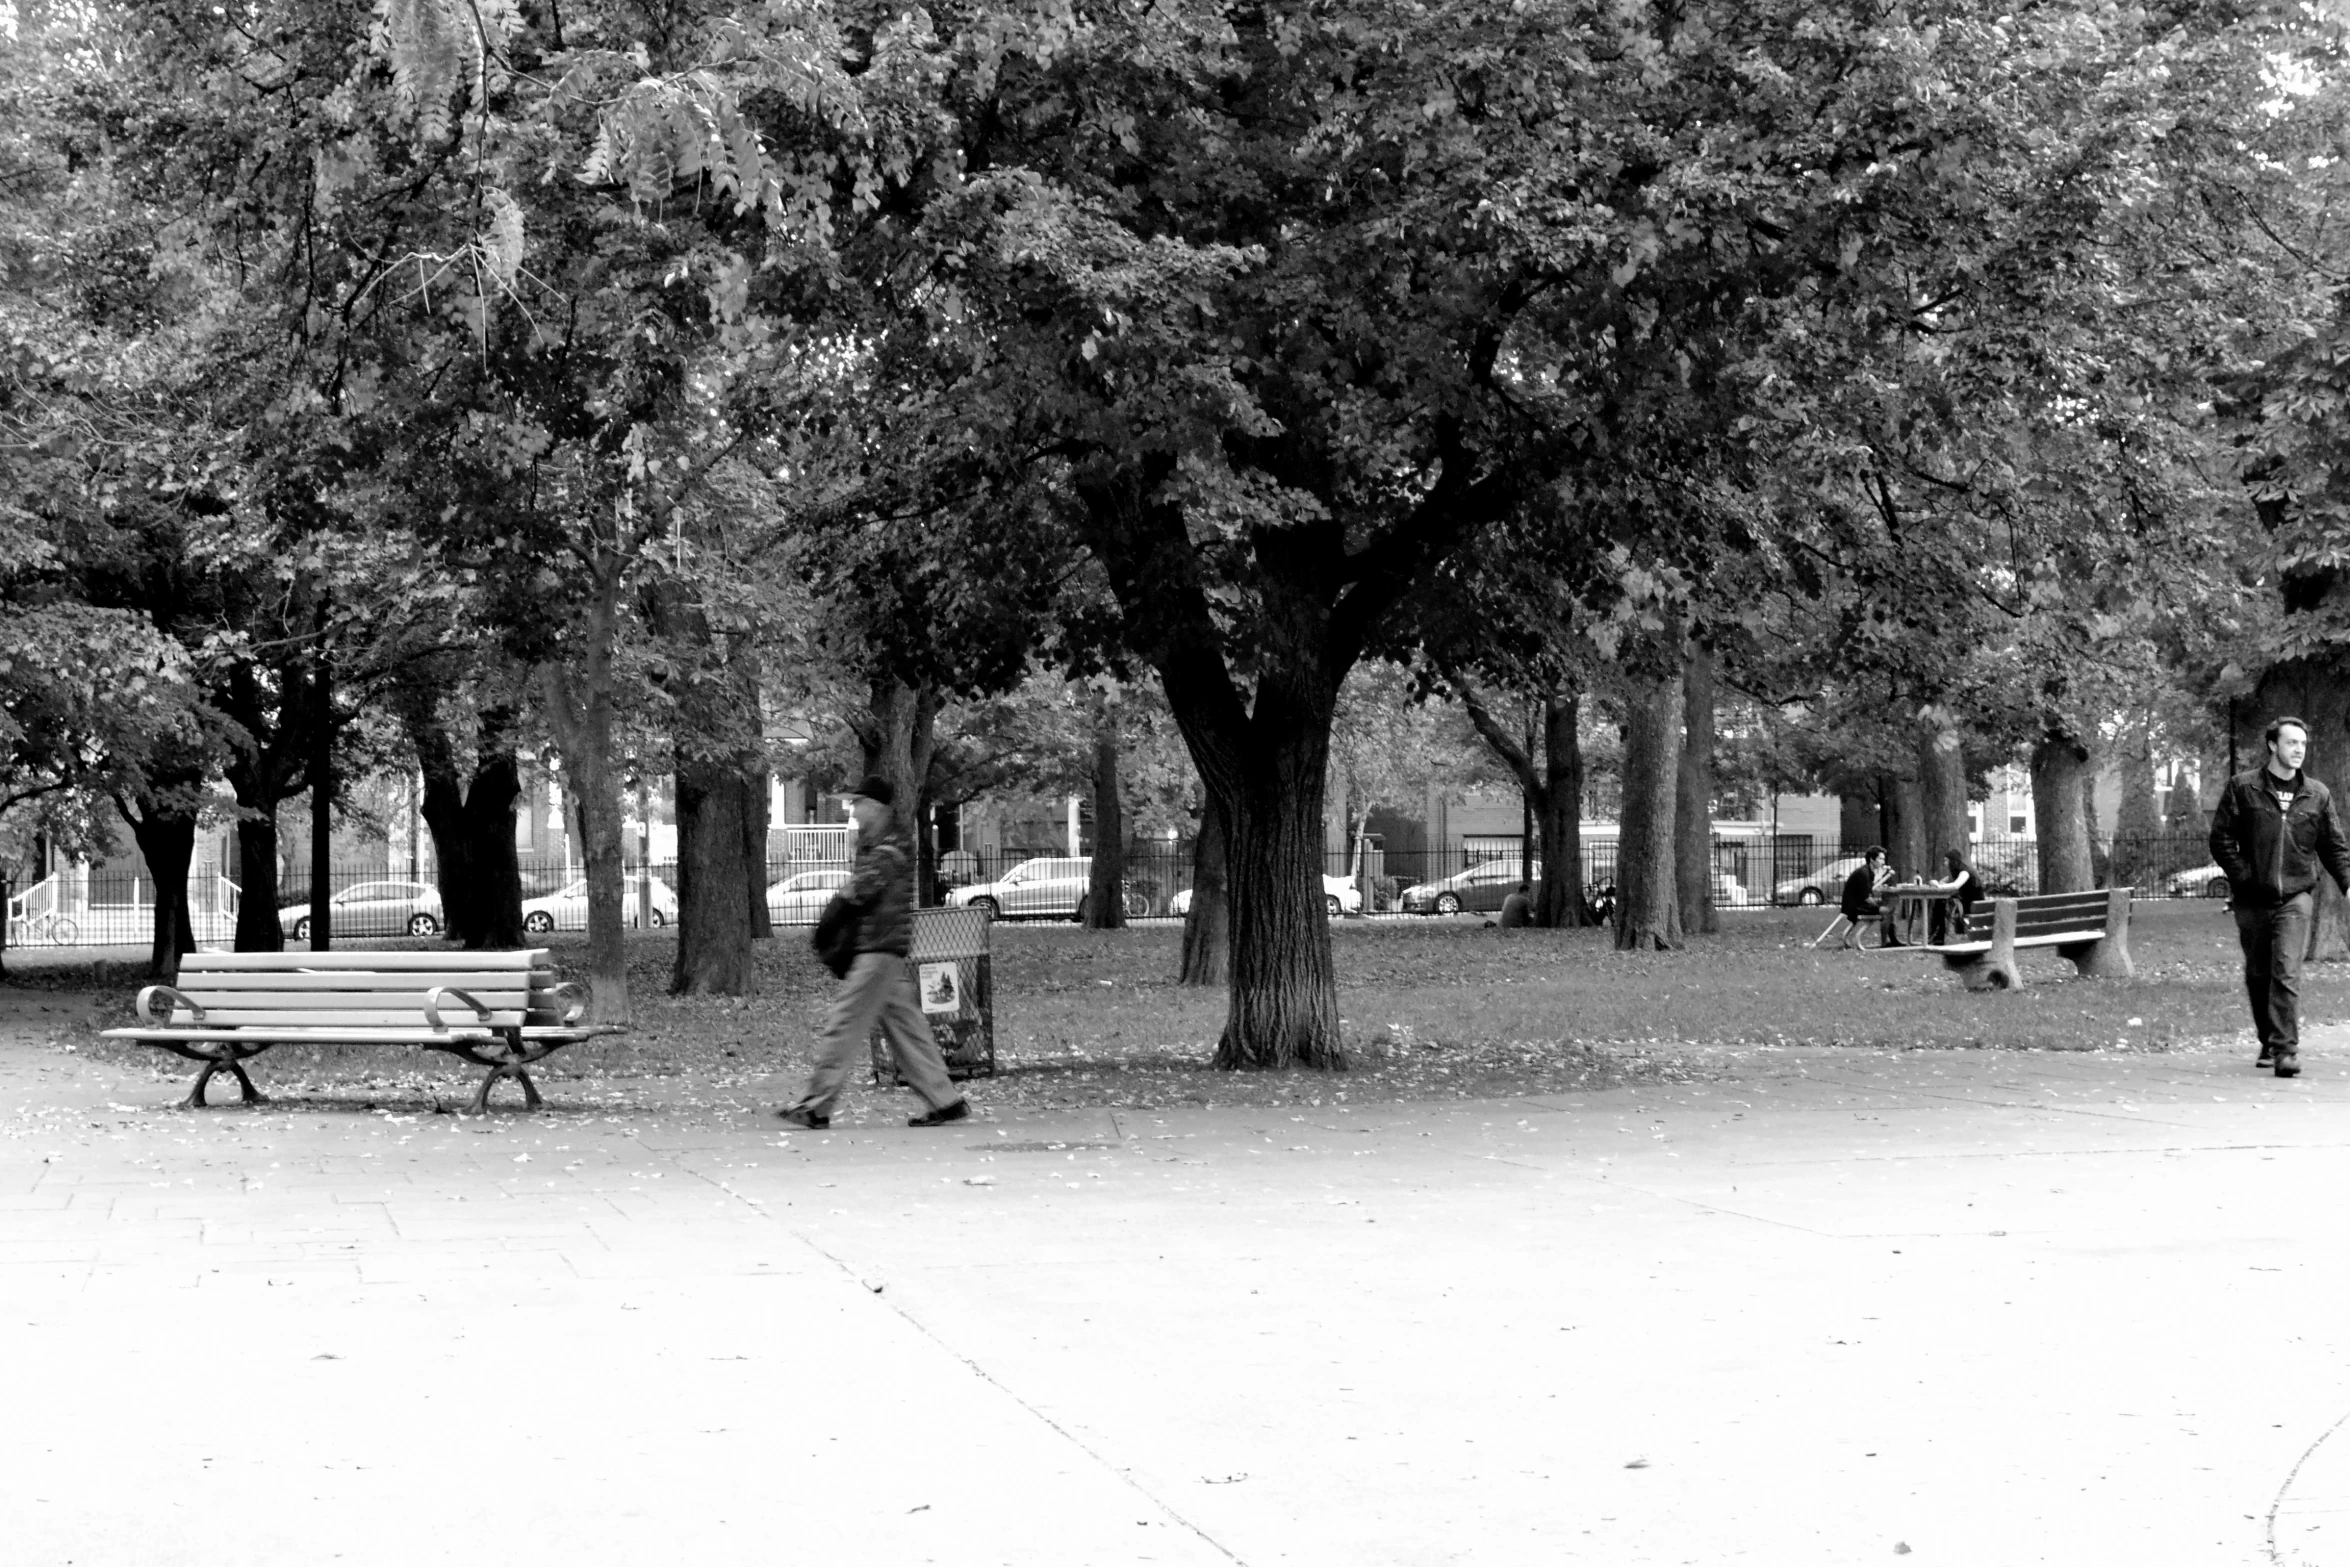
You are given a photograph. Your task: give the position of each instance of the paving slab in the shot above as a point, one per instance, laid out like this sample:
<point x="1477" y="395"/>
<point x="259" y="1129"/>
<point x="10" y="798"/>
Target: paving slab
<point x="1821" y="1307"/>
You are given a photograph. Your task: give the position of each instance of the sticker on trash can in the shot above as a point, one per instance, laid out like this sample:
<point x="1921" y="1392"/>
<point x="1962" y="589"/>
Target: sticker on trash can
<point x="942" y="988"/>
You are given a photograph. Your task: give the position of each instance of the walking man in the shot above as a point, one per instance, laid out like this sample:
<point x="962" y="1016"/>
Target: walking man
<point x="2274" y="828"/>
<point x="877" y="987"/>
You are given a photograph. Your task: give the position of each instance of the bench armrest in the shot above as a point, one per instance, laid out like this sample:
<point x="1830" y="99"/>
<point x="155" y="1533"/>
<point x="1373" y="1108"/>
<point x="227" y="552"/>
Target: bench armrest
<point x="571" y="999"/>
<point x="147" y="999"/>
<point x="434" y="997"/>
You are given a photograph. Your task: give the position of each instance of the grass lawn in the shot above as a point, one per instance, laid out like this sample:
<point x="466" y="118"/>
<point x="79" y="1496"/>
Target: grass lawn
<point x="1432" y="1009"/>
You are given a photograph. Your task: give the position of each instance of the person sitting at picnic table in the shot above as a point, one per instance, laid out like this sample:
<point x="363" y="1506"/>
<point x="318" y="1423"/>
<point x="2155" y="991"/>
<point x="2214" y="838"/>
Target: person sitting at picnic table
<point x="1954" y="920"/>
<point x="1860" y="894"/>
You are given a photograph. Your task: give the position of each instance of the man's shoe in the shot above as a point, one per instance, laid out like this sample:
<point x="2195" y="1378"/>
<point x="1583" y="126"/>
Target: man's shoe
<point x="801" y="1115"/>
<point x="942" y="1115"/>
<point x="2288" y="1063"/>
<point x="2268" y="1057"/>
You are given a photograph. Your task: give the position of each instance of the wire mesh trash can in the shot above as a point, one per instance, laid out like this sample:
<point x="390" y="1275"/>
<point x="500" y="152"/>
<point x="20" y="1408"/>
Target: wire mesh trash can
<point x="956" y="988"/>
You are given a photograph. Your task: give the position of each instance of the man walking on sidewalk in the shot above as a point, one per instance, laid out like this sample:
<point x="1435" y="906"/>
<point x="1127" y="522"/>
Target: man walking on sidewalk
<point x="2274" y="828"/>
<point x="877" y="987"/>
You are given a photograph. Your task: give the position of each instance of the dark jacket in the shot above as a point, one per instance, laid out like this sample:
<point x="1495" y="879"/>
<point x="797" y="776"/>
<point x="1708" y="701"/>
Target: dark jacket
<point x="2269" y="856"/>
<point x="1860" y="892"/>
<point x="882" y="889"/>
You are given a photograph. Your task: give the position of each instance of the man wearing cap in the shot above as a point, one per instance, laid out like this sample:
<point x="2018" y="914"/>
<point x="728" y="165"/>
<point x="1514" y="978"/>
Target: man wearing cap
<point x="878" y="988"/>
<point x="2273" y="833"/>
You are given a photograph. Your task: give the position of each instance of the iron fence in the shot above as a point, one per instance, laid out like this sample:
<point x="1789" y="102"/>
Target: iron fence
<point x="81" y="907"/>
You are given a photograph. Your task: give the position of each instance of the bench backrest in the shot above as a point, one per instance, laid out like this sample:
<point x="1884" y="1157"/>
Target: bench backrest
<point x="2049" y="913"/>
<point x="366" y="989"/>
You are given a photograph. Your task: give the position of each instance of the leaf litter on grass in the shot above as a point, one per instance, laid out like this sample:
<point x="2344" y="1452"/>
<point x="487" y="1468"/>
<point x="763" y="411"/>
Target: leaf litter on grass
<point x="1431" y="1010"/>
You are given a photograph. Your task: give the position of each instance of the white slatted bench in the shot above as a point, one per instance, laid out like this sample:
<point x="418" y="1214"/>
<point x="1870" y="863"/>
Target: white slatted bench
<point x="500" y="1010"/>
<point x="2090" y="928"/>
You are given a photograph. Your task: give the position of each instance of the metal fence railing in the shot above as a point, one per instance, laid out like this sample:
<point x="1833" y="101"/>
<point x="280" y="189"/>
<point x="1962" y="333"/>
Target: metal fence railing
<point x="82" y="906"/>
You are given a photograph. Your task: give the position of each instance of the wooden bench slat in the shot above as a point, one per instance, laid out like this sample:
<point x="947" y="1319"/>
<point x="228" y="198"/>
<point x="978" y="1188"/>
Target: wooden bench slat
<point x="417" y="980"/>
<point x="329" y="962"/>
<point x="264" y="1034"/>
<point x="343" y="1000"/>
<point x="356" y="1017"/>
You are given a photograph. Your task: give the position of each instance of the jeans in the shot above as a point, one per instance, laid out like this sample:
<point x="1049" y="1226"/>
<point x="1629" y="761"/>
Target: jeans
<point x="878" y="988"/>
<point x="2274" y="940"/>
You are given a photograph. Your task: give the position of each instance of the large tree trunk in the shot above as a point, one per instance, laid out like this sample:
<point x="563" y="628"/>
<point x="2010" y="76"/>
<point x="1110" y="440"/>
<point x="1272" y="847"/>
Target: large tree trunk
<point x="1284" y="1006"/>
<point x="1105" y="900"/>
<point x="1693" y="823"/>
<point x="492" y="866"/>
<point x="1904" y="806"/>
<point x="713" y="746"/>
<point x="261" y="773"/>
<point x="322" y="795"/>
<point x="2060" y="775"/>
<point x="755" y="816"/>
<point x="1941" y="796"/>
<point x="257" y="896"/>
<point x="743" y="674"/>
<point x="1553" y="795"/>
<point x="164" y="826"/>
<point x="713" y="873"/>
<point x="580" y="706"/>
<point x="443" y="810"/>
<point x="1648" y="914"/>
<point x="896" y="733"/>
<point x="1207" y="927"/>
<point x="1560" y="901"/>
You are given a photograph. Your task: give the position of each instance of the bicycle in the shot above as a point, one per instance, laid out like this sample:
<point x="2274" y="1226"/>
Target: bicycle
<point x="53" y="927"/>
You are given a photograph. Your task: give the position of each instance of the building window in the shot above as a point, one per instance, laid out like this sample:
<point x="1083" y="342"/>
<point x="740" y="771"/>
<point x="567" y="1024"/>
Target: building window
<point x="2018" y="823"/>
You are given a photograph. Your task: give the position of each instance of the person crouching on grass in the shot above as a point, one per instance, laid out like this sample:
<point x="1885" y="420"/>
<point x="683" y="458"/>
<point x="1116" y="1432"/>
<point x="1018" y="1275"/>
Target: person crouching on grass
<point x="878" y="986"/>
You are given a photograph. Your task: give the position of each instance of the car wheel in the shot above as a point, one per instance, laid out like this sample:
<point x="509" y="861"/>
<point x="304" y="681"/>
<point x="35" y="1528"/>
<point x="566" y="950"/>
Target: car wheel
<point x="659" y="919"/>
<point x="1330" y="904"/>
<point x="1812" y="898"/>
<point x="2217" y="887"/>
<point x="993" y="910"/>
<point x="302" y="928"/>
<point x="1079" y="915"/>
<point x="423" y="925"/>
<point x="1446" y="903"/>
<point x="538" y="922"/>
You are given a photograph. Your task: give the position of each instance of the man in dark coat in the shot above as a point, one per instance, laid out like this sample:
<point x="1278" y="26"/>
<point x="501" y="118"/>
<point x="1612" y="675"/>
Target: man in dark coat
<point x="2274" y="830"/>
<point x="878" y="988"/>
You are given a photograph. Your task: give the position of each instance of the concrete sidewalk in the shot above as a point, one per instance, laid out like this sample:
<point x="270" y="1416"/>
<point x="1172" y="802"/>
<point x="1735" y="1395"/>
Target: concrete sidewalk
<point x="1971" y="1308"/>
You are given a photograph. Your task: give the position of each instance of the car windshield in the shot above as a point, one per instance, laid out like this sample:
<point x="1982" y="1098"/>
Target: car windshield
<point x="572" y="889"/>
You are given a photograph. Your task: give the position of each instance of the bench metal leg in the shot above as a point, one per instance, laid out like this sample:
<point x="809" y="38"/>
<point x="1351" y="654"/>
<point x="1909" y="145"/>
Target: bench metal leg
<point x="530" y="1090"/>
<point x="233" y="1059"/>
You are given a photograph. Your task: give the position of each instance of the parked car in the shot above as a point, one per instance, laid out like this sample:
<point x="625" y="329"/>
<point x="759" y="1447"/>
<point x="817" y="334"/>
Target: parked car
<point x="2204" y="881"/>
<point x="1825" y="885"/>
<point x="798" y="900"/>
<point x="372" y="908"/>
<point x="566" y="908"/>
<point x="1042" y="888"/>
<point x="1339" y="896"/>
<point x="1478" y="889"/>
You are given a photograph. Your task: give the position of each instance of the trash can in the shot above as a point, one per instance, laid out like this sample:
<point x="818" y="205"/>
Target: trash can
<point x="956" y="989"/>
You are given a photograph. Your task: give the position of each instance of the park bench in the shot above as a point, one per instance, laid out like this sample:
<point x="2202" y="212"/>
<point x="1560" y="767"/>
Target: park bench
<point x="500" y="1010"/>
<point x="2090" y="928"/>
